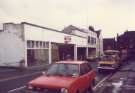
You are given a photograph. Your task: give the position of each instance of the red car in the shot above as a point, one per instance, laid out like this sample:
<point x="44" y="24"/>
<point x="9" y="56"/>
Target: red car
<point x="65" y="77"/>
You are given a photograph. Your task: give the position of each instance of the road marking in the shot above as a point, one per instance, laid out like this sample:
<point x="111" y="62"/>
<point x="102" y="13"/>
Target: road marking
<point x="105" y="78"/>
<point x="17" y="77"/>
<point x="16" y="89"/>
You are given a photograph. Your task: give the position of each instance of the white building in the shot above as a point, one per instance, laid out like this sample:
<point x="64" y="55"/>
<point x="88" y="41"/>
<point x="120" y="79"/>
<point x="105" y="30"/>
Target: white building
<point x="32" y="45"/>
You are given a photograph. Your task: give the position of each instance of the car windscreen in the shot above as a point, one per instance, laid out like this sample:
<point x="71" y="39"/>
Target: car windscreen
<point x="107" y="58"/>
<point x="62" y="69"/>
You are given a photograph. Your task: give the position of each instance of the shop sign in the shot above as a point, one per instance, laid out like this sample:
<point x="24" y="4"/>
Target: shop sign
<point x="67" y="39"/>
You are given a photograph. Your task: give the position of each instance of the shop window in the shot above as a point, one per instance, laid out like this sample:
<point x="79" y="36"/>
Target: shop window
<point x="47" y="44"/>
<point x="32" y="44"/>
<point x="91" y="40"/>
<point x="88" y="39"/>
<point x="41" y="44"/>
<point x="95" y="41"/>
<point x="37" y="44"/>
<point x="44" y="45"/>
<point x="28" y="44"/>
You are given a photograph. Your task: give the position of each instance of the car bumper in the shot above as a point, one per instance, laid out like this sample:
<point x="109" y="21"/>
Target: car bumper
<point x="34" y="92"/>
<point x="106" y="68"/>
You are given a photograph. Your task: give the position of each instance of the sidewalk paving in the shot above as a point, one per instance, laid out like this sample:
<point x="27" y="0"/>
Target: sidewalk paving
<point x="6" y="72"/>
<point x="122" y="81"/>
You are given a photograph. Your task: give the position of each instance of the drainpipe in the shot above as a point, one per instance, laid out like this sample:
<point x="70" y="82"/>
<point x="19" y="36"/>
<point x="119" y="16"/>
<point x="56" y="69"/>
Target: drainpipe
<point x="50" y="53"/>
<point x="25" y="54"/>
<point x="75" y="52"/>
<point x="87" y="52"/>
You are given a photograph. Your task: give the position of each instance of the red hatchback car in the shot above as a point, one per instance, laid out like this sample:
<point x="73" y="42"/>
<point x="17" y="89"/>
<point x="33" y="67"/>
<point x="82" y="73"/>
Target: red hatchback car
<point x="65" y="77"/>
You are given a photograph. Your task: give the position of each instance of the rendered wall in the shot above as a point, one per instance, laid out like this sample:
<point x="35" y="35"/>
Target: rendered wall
<point x="11" y="45"/>
<point x="40" y="34"/>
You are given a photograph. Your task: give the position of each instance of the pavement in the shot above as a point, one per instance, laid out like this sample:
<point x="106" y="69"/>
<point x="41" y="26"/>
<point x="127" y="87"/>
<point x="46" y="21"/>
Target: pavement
<point x="6" y="72"/>
<point x="14" y="78"/>
<point x="123" y="81"/>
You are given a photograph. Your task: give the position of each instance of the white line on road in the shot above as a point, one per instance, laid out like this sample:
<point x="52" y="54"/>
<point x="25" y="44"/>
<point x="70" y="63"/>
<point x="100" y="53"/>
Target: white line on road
<point x="17" y="77"/>
<point x="105" y="78"/>
<point x="16" y="89"/>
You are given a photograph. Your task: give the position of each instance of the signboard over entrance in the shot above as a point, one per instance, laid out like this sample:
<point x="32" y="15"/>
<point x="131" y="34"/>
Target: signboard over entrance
<point x="67" y="39"/>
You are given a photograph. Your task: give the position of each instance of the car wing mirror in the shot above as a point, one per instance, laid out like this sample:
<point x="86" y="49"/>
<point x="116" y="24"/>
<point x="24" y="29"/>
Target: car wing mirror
<point x="43" y="73"/>
<point x="75" y="75"/>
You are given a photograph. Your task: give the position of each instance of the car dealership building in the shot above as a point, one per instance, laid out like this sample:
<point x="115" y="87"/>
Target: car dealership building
<point x="31" y="45"/>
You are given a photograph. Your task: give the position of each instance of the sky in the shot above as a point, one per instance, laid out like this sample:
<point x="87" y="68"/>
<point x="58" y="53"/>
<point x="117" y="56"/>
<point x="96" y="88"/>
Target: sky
<point x="111" y="16"/>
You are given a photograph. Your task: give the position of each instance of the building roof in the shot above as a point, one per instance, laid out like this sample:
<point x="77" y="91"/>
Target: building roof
<point x="50" y="29"/>
<point x="128" y="34"/>
<point x="109" y="39"/>
<point x="69" y="29"/>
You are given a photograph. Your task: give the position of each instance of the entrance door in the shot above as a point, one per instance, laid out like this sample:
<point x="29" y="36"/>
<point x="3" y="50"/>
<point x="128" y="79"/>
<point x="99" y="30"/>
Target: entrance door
<point x="81" y="53"/>
<point x="66" y="49"/>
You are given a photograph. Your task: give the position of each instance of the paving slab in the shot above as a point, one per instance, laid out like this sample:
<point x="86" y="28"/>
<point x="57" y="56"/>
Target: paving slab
<point x="122" y="81"/>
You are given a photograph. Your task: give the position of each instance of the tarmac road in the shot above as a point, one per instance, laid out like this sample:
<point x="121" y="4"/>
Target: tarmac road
<point x="15" y="81"/>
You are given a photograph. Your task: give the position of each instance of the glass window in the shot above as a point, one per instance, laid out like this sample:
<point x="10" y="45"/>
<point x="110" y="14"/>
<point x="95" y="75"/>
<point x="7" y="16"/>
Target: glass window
<point x="44" y="44"/>
<point x="47" y="44"/>
<point x="28" y="44"/>
<point x="37" y="43"/>
<point x="88" y="39"/>
<point x="85" y="68"/>
<point x="107" y="58"/>
<point x="82" y="70"/>
<point x="41" y="44"/>
<point x="63" y="69"/>
<point x="89" y="66"/>
<point x="32" y="44"/>
<point x="92" y="40"/>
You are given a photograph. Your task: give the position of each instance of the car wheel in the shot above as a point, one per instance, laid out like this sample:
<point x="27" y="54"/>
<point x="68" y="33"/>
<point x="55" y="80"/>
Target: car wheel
<point x="99" y="70"/>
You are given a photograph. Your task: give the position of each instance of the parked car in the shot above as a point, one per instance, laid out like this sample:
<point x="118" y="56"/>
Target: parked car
<point x="109" y="62"/>
<point x="65" y="77"/>
<point x="91" y="58"/>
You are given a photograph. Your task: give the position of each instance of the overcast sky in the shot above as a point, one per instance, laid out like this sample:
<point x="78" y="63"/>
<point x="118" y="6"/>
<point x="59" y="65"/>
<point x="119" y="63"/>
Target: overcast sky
<point x="112" y="16"/>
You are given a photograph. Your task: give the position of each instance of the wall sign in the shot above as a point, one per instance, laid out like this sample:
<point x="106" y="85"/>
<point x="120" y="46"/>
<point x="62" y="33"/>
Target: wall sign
<point x="67" y="39"/>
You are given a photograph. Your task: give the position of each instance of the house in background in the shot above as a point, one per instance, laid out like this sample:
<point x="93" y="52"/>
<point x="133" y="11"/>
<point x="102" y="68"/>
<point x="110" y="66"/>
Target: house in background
<point x="94" y="46"/>
<point x="109" y="44"/>
<point x="126" y="43"/>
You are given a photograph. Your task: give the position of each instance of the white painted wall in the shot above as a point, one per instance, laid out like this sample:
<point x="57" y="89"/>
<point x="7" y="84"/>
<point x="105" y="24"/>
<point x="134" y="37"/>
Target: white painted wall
<point x="40" y="34"/>
<point x="101" y="44"/>
<point x="11" y="49"/>
<point x="79" y="33"/>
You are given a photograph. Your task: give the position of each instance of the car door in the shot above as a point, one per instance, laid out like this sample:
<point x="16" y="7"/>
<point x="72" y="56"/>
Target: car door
<point x="91" y="73"/>
<point x="84" y="78"/>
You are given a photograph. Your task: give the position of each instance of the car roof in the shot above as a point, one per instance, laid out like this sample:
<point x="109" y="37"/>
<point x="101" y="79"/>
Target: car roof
<point x="72" y="62"/>
<point x="109" y="51"/>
